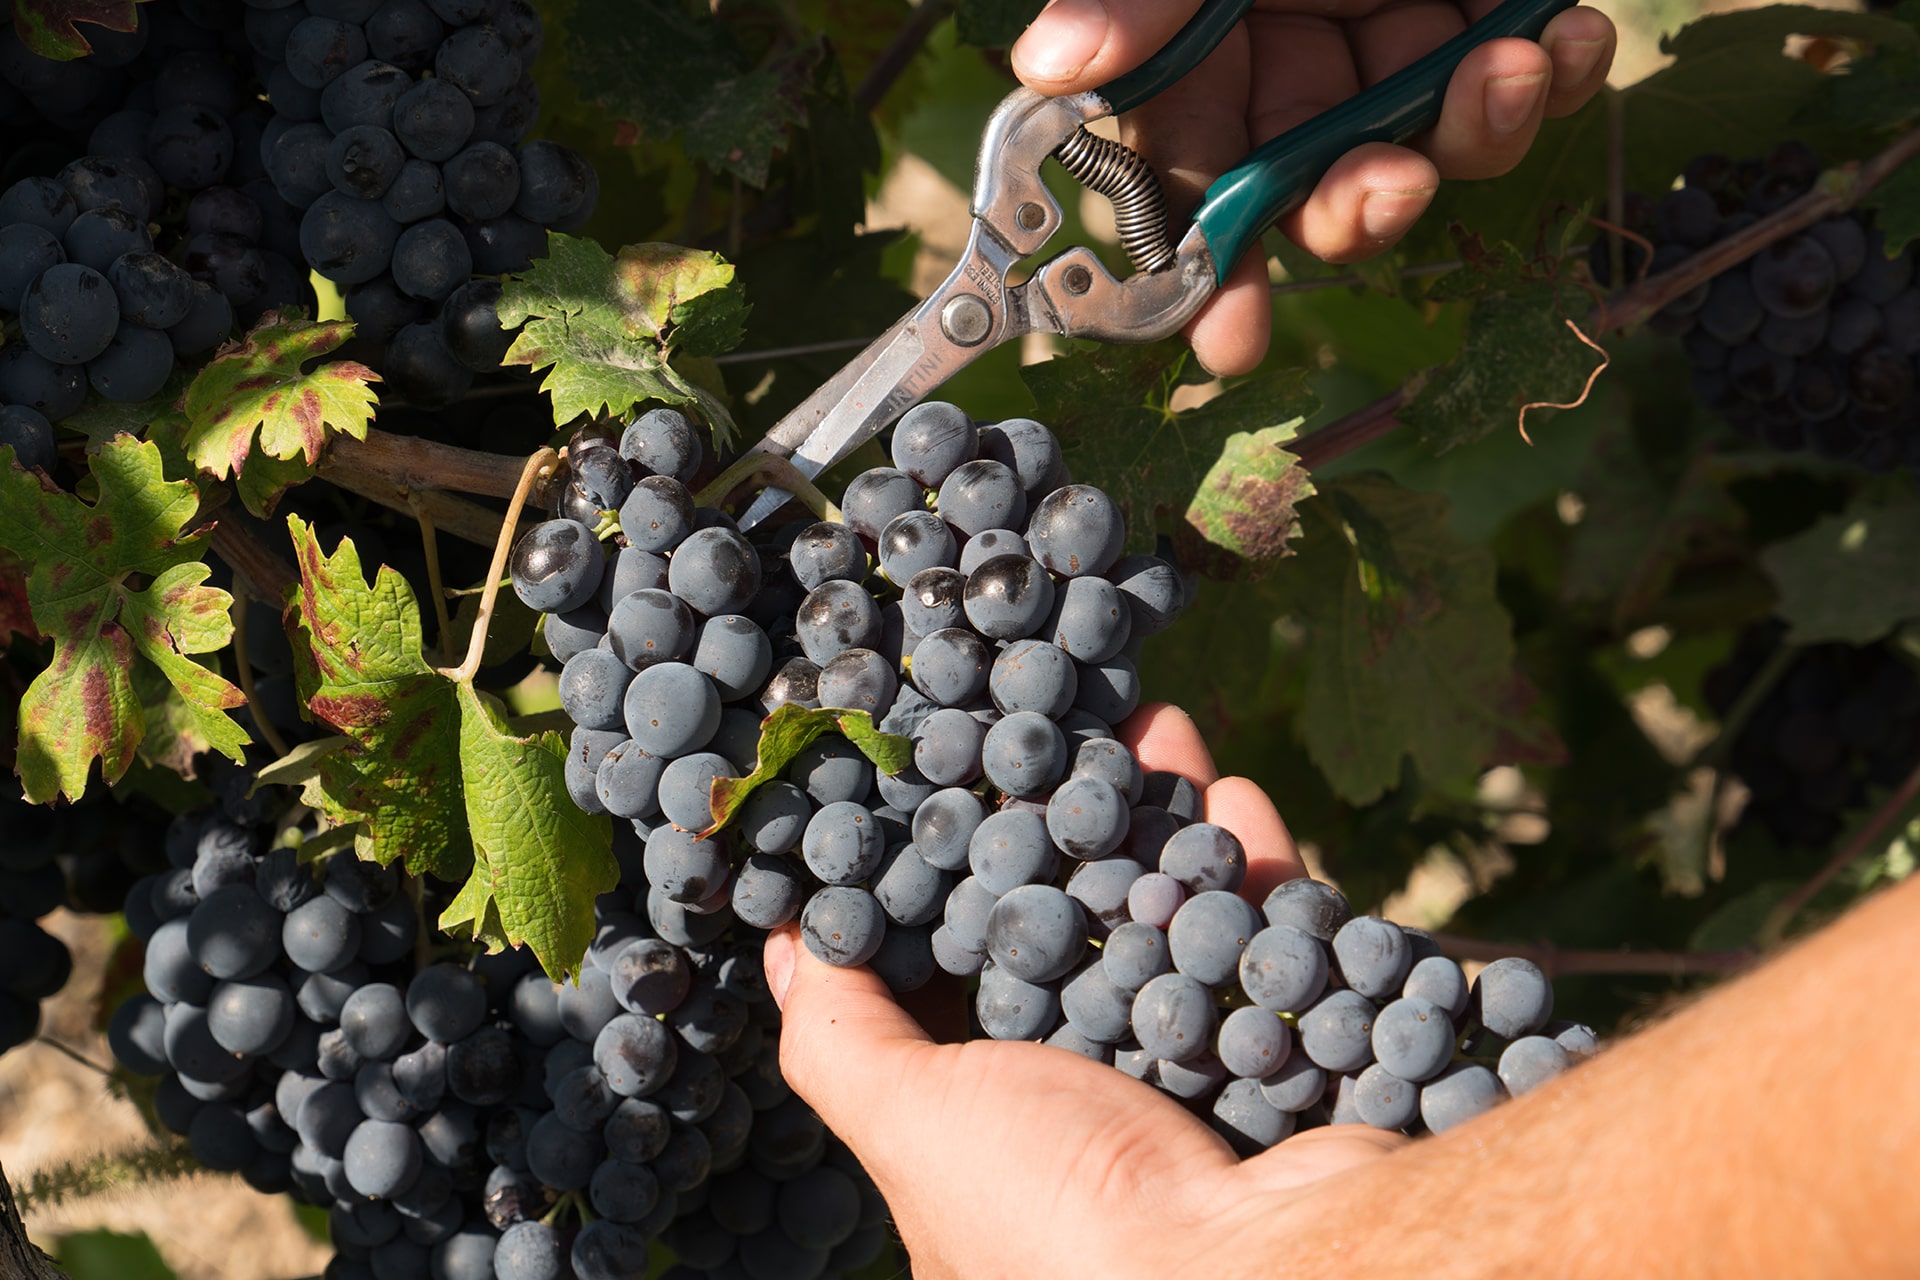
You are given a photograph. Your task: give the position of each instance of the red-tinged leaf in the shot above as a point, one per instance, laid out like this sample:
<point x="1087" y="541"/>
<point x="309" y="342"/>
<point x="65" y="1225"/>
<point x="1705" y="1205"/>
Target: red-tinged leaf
<point x="261" y="384"/>
<point x="47" y="26"/>
<point x="80" y="593"/>
<point x="16" y="617"/>
<point x="360" y="669"/>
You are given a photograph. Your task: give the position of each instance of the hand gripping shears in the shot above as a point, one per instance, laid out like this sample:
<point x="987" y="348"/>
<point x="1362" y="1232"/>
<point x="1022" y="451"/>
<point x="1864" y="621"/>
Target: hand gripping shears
<point x="1072" y="293"/>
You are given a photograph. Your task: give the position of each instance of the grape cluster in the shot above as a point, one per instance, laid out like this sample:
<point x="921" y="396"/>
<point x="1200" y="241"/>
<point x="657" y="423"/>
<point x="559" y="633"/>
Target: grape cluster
<point x="1811" y="344"/>
<point x="397" y="129"/>
<point x="152" y="242"/>
<point x="975" y="600"/>
<point x="473" y="1120"/>
<point x="1835" y="722"/>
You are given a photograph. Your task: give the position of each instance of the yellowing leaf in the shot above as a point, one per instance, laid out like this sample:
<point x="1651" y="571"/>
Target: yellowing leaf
<point x="360" y="669"/>
<point x="84" y="561"/>
<point x="260" y="385"/>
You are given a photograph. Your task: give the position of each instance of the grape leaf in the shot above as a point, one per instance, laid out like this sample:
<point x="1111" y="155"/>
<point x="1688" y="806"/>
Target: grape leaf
<point x="1644" y="519"/>
<point x="1850" y="577"/>
<point x="790" y="730"/>
<point x="360" y="669"/>
<point x="101" y="419"/>
<point x="47" y="26"/>
<point x="16" y="615"/>
<point x="539" y="860"/>
<point x="994" y="24"/>
<point x="606" y="325"/>
<point x="84" y="561"/>
<point x="1896" y="206"/>
<point x="1212" y="466"/>
<point x="1518" y="350"/>
<point x="1410" y="653"/>
<point x="733" y="111"/>
<point x="259" y="385"/>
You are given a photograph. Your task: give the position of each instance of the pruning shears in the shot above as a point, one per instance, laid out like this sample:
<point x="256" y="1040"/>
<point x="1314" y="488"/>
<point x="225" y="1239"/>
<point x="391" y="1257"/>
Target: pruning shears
<point x="1072" y="293"/>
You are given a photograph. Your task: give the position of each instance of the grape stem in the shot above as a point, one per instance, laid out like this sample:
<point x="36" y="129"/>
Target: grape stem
<point x="73" y="1053"/>
<point x="541" y="463"/>
<point x="1567" y="962"/>
<point x="1864" y="839"/>
<point x="244" y="666"/>
<point x="755" y="469"/>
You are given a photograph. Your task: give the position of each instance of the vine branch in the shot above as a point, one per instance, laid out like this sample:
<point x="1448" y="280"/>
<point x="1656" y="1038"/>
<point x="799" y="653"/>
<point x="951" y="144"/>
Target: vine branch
<point x="18" y="1256"/>
<point x="1863" y="840"/>
<point x="242" y="601"/>
<point x="1560" y="962"/>
<point x="900" y="52"/>
<point x="253" y="560"/>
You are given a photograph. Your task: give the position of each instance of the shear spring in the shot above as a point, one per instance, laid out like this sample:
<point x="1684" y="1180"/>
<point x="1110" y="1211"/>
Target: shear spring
<point x="1139" y="207"/>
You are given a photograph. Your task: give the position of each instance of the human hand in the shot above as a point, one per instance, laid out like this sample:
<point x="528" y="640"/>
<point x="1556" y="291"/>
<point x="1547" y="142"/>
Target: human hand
<point x="1288" y="61"/>
<point x="1014" y="1159"/>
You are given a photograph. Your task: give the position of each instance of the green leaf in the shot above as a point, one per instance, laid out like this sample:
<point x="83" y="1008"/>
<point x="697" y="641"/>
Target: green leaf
<point x="606" y="325"/>
<point x="300" y="765"/>
<point x="84" y="560"/>
<point x="110" y="1255"/>
<point x="1896" y="206"/>
<point x="360" y="669"/>
<point x="47" y="26"/>
<point x="790" y="730"/>
<point x="1644" y="518"/>
<point x="1409" y="650"/>
<point x="539" y="860"/>
<point x="1211" y="466"/>
<point x="101" y="419"/>
<point x="1850" y="577"/>
<point x="260" y="385"/>
<point x="1519" y="350"/>
<point x="994" y="24"/>
<point x="733" y="111"/>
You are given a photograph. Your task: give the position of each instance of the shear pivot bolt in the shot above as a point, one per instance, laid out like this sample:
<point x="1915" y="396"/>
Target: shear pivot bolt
<point x="1030" y="216"/>
<point x="965" y="320"/>
<point x="1076" y="280"/>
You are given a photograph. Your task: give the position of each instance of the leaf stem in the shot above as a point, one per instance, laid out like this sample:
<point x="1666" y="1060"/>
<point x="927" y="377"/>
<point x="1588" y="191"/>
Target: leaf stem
<point x="430" y="544"/>
<point x="540" y="463"/>
<point x="1863" y="839"/>
<point x="244" y="666"/>
<point x="1354" y="279"/>
<point x="1566" y="962"/>
<point x="1714" y="754"/>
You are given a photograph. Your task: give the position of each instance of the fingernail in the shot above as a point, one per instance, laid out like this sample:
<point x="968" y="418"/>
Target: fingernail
<point x="1574" y="60"/>
<point x="777" y="961"/>
<point x="1386" y="214"/>
<point x="1511" y="100"/>
<point x="1061" y="40"/>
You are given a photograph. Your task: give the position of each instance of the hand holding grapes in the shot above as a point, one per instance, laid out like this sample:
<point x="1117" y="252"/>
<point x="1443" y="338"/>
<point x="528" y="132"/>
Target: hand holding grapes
<point x="1288" y="61"/>
<point x="1001" y="1158"/>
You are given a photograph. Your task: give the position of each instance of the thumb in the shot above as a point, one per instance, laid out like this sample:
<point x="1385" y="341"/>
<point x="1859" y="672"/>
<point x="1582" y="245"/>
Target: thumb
<point x="1081" y="44"/>
<point x="845" y="1047"/>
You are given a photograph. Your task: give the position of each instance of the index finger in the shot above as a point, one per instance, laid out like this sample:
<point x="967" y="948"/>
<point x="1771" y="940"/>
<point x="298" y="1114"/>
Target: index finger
<point x="1165" y="739"/>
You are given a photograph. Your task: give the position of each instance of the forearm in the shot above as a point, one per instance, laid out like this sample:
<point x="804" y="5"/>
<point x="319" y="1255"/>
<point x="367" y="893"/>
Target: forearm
<point x="1771" y="1129"/>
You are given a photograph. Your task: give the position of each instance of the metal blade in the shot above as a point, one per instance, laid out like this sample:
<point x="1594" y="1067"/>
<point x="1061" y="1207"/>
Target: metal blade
<point x="960" y="321"/>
